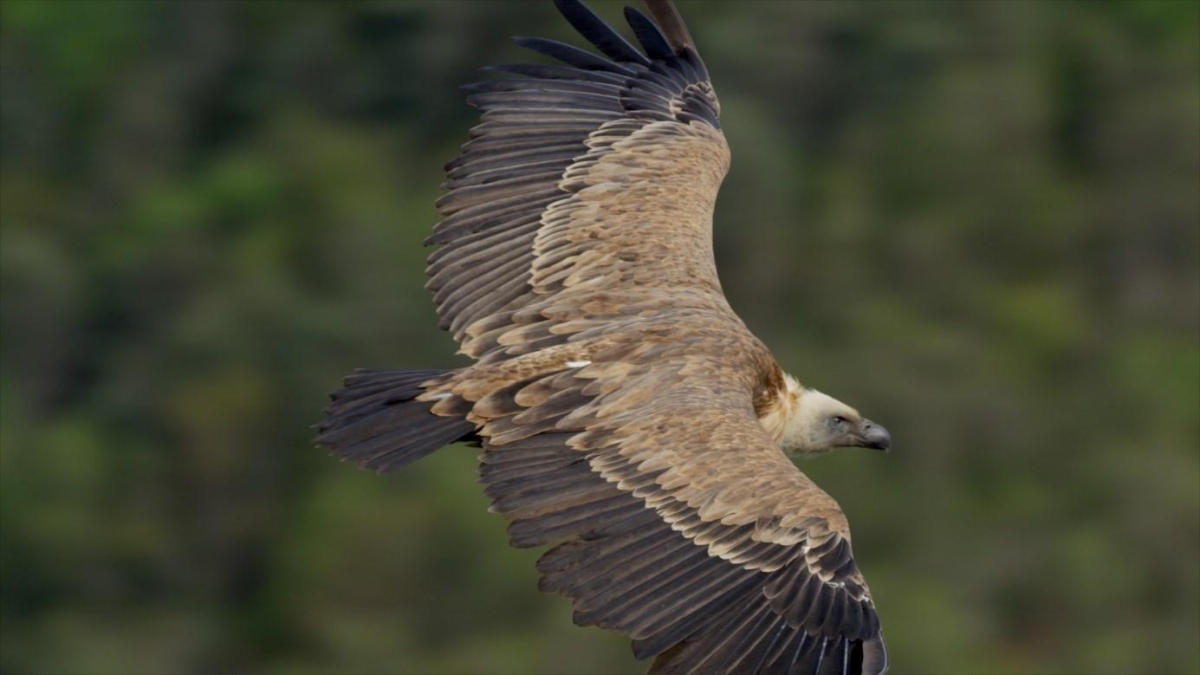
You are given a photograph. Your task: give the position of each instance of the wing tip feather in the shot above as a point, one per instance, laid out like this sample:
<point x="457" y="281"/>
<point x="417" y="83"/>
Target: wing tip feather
<point x="671" y="23"/>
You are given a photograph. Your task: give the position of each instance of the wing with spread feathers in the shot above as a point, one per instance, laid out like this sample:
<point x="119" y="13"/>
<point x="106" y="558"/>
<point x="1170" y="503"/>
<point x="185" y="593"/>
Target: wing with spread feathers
<point x="587" y="191"/>
<point x="680" y="522"/>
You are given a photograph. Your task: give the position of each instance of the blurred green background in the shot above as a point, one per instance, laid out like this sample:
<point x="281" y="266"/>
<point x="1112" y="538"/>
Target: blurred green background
<point x="979" y="222"/>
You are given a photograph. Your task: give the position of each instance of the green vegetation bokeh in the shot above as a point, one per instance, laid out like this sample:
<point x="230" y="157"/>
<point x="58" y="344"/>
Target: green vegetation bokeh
<point x="977" y="221"/>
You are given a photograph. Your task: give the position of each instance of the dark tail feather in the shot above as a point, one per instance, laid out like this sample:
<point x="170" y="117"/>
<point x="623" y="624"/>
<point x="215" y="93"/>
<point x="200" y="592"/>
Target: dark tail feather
<point x="375" y="421"/>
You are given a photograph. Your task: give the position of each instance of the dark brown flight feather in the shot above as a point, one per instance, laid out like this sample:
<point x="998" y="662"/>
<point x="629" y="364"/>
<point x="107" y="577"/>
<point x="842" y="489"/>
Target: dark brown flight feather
<point x="672" y="25"/>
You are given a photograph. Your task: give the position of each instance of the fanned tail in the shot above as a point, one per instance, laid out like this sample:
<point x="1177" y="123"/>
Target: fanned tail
<point x="376" y="422"/>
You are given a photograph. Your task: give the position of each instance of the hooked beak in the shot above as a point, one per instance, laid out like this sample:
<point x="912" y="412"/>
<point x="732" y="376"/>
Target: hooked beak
<point x="871" y="435"/>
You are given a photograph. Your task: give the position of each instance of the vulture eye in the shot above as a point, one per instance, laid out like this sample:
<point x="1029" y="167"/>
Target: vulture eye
<point x="838" y="421"/>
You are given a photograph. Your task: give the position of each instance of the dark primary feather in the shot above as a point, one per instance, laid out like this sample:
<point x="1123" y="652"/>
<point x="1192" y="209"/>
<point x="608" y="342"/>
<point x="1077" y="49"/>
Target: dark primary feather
<point x="599" y="33"/>
<point x="649" y="35"/>
<point x="672" y="25"/>
<point x="571" y="55"/>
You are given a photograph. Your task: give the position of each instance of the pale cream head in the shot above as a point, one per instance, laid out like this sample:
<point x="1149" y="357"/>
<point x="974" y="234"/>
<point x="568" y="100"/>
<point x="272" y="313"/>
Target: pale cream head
<point x="806" y="421"/>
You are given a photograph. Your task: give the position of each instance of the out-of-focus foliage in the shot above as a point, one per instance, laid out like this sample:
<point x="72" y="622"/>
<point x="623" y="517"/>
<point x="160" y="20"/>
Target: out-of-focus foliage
<point x="977" y="221"/>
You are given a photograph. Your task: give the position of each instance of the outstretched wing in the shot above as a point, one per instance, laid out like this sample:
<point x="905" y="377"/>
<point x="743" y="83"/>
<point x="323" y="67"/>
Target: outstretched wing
<point x="587" y="190"/>
<point x="615" y="389"/>
<point x="683" y="525"/>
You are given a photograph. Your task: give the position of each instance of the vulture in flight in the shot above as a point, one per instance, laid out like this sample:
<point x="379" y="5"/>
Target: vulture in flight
<point x="627" y="417"/>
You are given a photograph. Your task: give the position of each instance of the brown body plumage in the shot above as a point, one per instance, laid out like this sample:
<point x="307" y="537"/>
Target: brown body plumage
<point x="625" y="411"/>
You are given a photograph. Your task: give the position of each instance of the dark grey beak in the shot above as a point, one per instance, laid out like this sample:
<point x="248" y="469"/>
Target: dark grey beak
<point x="874" y="436"/>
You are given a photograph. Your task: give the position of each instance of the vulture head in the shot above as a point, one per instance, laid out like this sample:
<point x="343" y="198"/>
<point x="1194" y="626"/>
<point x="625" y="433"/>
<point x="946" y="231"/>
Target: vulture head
<point x="806" y="421"/>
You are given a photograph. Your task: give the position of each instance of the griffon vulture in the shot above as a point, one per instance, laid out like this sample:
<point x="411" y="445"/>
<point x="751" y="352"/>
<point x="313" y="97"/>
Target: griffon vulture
<point x="626" y="414"/>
